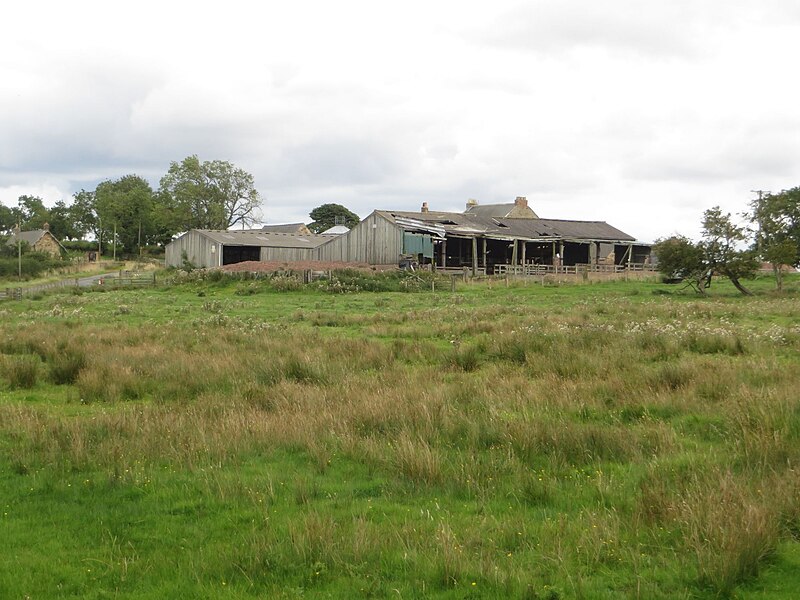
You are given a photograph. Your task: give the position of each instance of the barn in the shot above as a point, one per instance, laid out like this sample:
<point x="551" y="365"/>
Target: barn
<point x="488" y="239"/>
<point x="214" y="248"/>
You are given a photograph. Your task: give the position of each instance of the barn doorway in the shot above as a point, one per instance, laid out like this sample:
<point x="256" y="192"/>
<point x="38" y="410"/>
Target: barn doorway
<point x="236" y="254"/>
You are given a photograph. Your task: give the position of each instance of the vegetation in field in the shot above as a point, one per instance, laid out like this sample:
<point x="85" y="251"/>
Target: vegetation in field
<point x="228" y="438"/>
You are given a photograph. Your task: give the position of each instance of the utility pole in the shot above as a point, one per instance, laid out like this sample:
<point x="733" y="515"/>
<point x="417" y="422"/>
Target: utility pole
<point x="115" y="240"/>
<point x="19" y="241"/>
<point x="19" y="250"/>
<point x="760" y="193"/>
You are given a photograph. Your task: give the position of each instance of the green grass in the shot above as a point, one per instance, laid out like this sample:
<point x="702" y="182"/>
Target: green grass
<point x="222" y="439"/>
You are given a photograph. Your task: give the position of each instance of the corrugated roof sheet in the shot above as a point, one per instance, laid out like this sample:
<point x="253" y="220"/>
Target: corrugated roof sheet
<point x="263" y="239"/>
<point x="286" y="228"/>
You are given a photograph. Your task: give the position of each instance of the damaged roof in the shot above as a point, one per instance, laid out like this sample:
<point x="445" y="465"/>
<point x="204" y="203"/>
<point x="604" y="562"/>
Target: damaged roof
<point x="476" y="225"/>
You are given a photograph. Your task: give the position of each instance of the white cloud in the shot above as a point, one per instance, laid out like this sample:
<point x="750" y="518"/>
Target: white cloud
<point x="641" y="114"/>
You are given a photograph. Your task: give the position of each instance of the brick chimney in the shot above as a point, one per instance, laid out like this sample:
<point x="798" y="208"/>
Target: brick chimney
<point x="424" y="207"/>
<point x="521" y="202"/>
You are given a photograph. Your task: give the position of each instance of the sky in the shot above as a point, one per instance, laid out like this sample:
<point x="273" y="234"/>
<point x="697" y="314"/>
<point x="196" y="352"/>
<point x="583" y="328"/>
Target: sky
<point x="635" y="112"/>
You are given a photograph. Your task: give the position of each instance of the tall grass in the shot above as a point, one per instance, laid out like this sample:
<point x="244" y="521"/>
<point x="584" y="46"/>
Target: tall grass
<point x="452" y="448"/>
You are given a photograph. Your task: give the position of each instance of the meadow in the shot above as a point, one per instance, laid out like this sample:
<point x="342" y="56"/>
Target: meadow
<point x="220" y="438"/>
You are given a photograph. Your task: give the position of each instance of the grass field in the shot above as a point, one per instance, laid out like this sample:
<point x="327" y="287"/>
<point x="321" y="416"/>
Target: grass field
<point x="241" y="439"/>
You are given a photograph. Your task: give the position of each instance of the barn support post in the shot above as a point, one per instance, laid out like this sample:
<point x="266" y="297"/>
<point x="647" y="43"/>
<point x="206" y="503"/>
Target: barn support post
<point x="474" y="257"/>
<point x="485" y="266"/>
<point x="523" y="256"/>
<point x="555" y="252"/>
<point x="443" y="253"/>
<point x="514" y="257"/>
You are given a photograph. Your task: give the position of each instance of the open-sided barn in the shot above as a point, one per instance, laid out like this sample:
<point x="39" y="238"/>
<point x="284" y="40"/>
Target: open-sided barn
<point x="483" y="241"/>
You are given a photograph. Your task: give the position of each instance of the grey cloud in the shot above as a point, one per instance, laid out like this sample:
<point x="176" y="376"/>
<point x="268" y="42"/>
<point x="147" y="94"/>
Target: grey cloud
<point x="672" y="29"/>
<point x="334" y="162"/>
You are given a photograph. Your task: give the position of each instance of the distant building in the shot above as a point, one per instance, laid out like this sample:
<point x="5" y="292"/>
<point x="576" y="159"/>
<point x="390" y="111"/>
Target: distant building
<point x="336" y="230"/>
<point x="519" y="209"/>
<point x="39" y="240"/>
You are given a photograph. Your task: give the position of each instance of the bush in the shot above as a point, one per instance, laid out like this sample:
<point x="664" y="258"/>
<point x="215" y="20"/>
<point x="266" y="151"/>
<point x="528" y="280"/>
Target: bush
<point x="32" y="265"/>
<point x="66" y="365"/>
<point x="22" y="372"/>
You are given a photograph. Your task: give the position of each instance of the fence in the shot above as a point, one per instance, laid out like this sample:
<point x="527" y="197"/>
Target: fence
<point x="128" y="279"/>
<point x="534" y="270"/>
<point x="123" y="279"/>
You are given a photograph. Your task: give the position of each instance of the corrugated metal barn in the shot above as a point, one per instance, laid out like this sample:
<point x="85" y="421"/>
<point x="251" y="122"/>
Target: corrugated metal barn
<point x="214" y="248"/>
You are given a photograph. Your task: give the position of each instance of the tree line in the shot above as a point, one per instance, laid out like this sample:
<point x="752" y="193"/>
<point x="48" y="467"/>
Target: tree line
<point x="770" y="233"/>
<point x="193" y="194"/>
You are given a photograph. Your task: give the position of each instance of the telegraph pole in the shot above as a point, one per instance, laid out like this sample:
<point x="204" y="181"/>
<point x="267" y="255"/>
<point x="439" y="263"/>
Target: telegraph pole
<point x="19" y="241"/>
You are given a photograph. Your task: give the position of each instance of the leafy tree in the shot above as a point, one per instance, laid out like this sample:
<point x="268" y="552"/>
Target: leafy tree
<point x="208" y="195"/>
<point x="83" y="215"/>
<point x="34" y="213"/>
<point x="719" y="252"/>
<point x="777" y="238"/>
<point x="61" y="223"/>
<point x="681" y="258"/>
<point x="722" y="241"/>
<point x="8" y="220"/>
<point x="326" y="216"/>
<point x="127" y="206"/>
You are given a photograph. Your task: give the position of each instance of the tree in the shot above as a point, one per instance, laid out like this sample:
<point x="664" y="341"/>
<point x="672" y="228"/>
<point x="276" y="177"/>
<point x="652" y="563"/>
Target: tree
<point x="61" y="223"/>
<point x="719" y="252"/>
<point x="126" y="206"/>
<point x="34" y="213"/>
<point x="326" y="216"/>
<point x="680" y="258"/>
<point x="209" y="195"/>
<point x="777" y="238"/>
<point x="8" y="220"/>
<point x="722" y="241"/>
<point x="83" y="215"/>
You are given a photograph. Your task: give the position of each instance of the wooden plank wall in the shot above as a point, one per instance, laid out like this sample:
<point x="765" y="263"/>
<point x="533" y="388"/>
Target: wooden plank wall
<point x="286" y="254"/>
<point x="198" y="251"/>
<point x="374" y="241"/>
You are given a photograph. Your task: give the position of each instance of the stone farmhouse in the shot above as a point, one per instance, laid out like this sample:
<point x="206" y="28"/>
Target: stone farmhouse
<point x="39" y="240"/>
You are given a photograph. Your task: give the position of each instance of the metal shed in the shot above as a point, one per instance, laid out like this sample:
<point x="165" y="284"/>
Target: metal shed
<point x="214" y="248"/>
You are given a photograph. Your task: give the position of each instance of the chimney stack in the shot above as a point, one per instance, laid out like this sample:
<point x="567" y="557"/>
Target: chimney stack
<point x="424" y="207"/>
<point x="46" y="226"/>
<point x="521" y="201"/>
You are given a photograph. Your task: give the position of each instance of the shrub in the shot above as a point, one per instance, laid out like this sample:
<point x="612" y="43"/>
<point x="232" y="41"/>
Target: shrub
<point x="66" y="364"/>
<point x="22" y="372"/>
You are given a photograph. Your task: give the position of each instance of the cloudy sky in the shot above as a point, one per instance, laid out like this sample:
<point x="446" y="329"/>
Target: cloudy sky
<point x="640" y="113"/>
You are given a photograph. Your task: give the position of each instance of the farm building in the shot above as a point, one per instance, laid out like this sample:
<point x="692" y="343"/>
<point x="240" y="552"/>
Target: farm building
<point x="215" y="248"/>
<point x="39" y="240"/>
<point x="483" y="239"/>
